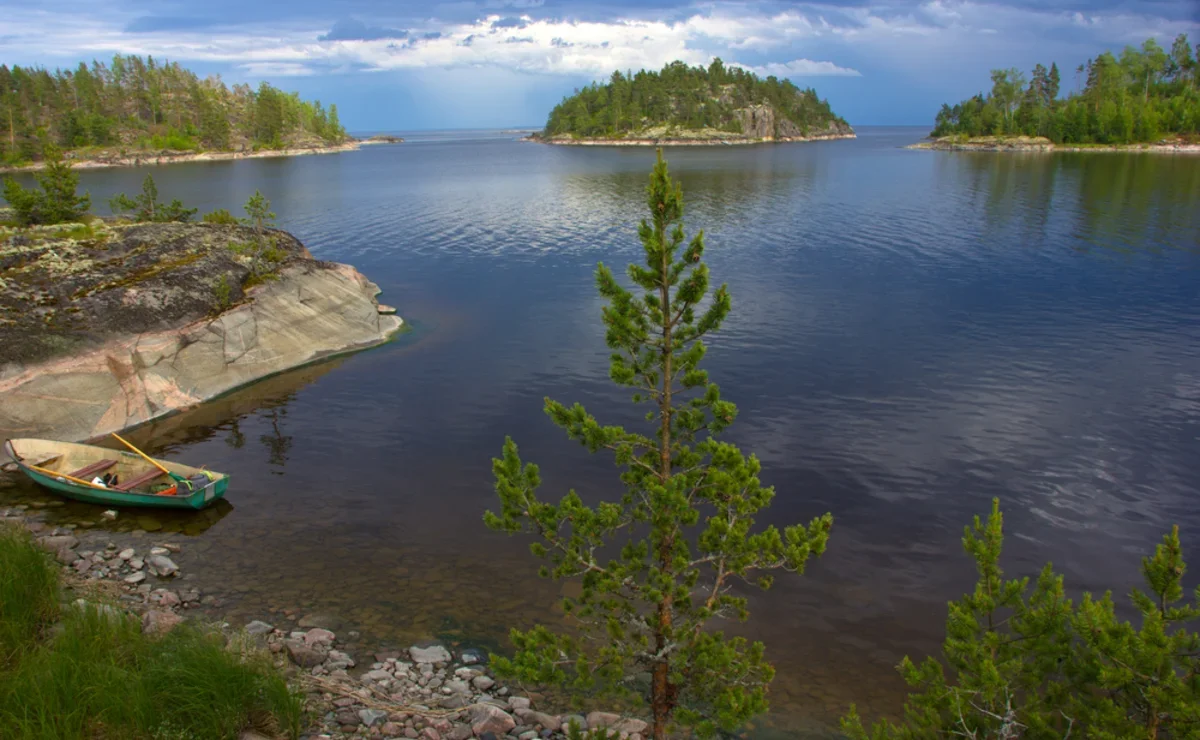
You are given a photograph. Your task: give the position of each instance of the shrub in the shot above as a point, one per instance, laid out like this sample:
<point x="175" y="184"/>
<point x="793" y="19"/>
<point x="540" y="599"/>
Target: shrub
<point x="1035" y="665"/>
<point x="221" y="216"/>
<point x="56" y="201"/>
<point x="145" y="206"/>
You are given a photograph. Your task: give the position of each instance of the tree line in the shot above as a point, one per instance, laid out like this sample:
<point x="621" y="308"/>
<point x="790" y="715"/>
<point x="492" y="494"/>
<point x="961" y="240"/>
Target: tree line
<point x="1142" y="95"/>
<point x="147" y="104"/>
<point x="683" y="97"/>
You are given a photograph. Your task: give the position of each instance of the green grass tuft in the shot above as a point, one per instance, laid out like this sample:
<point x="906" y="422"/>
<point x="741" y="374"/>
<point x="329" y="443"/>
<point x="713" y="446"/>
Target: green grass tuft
<point x="93" y="674"/>
<point x="28" y="594"/>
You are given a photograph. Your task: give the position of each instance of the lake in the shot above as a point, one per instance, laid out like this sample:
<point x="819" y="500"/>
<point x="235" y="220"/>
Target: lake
<point x="913" y="333"/>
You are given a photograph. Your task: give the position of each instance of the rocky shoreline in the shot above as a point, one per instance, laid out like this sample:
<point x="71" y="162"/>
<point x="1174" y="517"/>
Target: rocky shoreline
<point x="715" y="141"/>
<point x="428" y="691"/>
<point x="170" y="156"/>
<point x="1038" y="144"/>
<point x="111" y="325"/>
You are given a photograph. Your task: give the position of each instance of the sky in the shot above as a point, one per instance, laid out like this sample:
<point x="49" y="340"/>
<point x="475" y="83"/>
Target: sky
<point x="399" y="65"/>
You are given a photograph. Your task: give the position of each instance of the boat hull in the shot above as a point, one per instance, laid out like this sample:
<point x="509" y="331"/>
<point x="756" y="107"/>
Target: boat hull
<point x="199" y="498"/>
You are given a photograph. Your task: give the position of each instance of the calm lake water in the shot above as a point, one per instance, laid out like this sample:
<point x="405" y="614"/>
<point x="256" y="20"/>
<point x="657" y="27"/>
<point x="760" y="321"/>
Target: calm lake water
<point x="913" y="334"/>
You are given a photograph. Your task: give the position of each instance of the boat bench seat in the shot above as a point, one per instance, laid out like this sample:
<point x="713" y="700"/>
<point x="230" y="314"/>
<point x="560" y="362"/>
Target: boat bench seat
<point x="89" y="470"/>
<point x="138" y="480"/>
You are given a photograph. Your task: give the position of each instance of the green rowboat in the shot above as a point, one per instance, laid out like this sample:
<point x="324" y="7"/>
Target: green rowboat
<point x="75" y="470"/>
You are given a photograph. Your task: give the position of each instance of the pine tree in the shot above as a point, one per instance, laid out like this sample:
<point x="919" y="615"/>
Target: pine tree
<point x="1038" y="667"/>
<point x="1053" y="83"/>
<point x="686" y="519"/>
<point x="56" y="202"/>
<point x="146" y="207"/>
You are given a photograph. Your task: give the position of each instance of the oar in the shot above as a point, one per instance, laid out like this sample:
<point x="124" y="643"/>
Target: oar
<point x="149" y="459"/>
<point x="71" y="478"/>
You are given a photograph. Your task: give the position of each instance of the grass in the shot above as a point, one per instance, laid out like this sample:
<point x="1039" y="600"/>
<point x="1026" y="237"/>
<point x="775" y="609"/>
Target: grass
<point x="28" y="595"/>
<point x="86" y="671"/>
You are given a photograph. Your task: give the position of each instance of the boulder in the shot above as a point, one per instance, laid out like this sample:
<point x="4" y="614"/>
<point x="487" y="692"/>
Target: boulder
<point x="546" y="721"/>
<point x="431" y="654"/>
<point x="160" y="622"/>
<point x="318" y="636"/>
<point x="519" y="702"/>
<point x="630" y="726"/>
<point x="161" y="565"/>
<point x="164" y="597"/>
<point x="488" y="718"/>
<point x="259" y="628"/>
<point x="148" y="331"/>
<point x="597" y="720"/>
<point x="54" y="543"/>
<point x="66" y="556"/>
<point x="303" y="655"/>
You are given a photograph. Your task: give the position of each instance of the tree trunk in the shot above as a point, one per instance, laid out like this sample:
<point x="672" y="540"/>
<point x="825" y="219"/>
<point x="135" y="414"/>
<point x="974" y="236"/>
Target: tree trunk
<point x="661" y="691"/>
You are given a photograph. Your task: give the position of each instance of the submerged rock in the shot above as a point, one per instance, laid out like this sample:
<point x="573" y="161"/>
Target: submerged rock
<point x="431" y="654"/>
<point x="259" y="628"/>
<point x="161" y="565"/>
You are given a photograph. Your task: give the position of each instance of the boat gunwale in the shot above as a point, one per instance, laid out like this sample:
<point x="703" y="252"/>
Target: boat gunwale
<point x="59" y="478"/>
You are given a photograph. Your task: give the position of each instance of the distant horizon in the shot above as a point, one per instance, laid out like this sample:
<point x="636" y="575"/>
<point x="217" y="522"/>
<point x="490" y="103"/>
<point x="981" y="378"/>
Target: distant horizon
<point x="495" y="129"/>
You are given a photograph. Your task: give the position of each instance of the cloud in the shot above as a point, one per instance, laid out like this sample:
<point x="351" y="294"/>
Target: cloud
<point x="802" y="68"/>
<point x="154" y="23"/>
<point x="276" y="69"/>
<point x="510" y="23"/>
<point x="762" y="35"/>
<point x="356" y="30"/>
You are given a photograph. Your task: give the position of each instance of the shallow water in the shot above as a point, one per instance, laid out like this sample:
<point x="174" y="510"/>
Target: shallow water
<point x="913" y="333"/>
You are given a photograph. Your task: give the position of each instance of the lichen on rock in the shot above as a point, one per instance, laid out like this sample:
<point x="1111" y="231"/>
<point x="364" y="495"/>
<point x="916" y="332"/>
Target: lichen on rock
<point x="107" y="325"/>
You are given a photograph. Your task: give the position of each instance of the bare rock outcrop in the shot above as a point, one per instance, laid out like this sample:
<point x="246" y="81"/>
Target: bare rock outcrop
<point x="140" y="321"/>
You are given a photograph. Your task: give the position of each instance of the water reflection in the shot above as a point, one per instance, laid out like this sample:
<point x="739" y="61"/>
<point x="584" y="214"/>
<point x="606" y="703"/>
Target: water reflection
<point x="912" y="334"/>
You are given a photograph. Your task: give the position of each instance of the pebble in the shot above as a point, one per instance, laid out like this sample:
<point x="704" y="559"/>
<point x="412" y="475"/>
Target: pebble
<point x="126" y="554"/>
<point x="483" y="682"/>
<point x="135" y="578"/>
<point x="109" y="515"/>
<point x="371" y="717"/>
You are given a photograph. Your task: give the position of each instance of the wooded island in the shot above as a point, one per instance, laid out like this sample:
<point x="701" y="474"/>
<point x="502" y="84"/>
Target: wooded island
<point x="1144" y="95"/>
<point x="142" y="105"/>
<point x="682" y="104"/>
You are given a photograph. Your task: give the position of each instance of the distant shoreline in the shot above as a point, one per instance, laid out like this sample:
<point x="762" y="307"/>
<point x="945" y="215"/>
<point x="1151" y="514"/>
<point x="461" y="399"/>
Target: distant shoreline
<point x="170" y="156"/>
<point x="1039" y="144"/>
<point x="713" y="141"/>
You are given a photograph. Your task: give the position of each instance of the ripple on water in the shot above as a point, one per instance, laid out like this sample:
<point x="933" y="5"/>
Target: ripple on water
<point x="913" y="333"/>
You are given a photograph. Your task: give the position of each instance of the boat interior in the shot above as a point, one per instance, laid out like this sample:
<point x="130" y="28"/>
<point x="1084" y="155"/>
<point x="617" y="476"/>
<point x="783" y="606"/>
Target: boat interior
<point x="85" y="462"/>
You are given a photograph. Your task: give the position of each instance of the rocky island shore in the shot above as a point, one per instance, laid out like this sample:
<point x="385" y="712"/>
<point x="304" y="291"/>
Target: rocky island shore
<point x="1042" y="144"/>
<point x="759" y="126"/>
<point x="108" y="158"/>
<point x="107" y="325"/>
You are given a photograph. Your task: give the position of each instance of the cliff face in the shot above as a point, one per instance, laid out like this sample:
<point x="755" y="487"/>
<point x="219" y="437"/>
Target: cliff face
<point x="136" y="322"/>
<point x="762" y="122"/>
